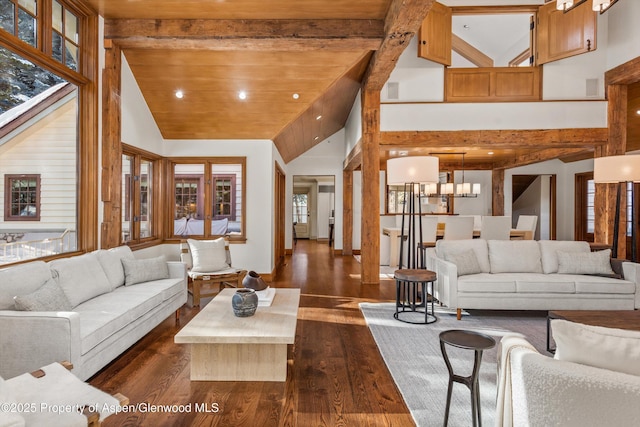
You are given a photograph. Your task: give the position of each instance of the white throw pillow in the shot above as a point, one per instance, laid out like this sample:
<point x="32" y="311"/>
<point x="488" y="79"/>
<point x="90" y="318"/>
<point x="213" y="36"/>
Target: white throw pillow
<point x="111" y="263"/>
<point x="444" y="248"/>
<point x="20" y="280"/>
<point x="80" y="277"/>
<point x="144" y="270"/>
<point x="550" y="248"/>
<point x="49" y="297"/>
<point x="514" y="256"/>
<point x="466" y="262"/>
<point x="585" y="262"/>
<point x="208" y="255"/>
<point x="606" y="348"/>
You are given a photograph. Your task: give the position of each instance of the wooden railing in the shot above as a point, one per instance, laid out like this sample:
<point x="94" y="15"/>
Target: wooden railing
<point x="31" y="249"/>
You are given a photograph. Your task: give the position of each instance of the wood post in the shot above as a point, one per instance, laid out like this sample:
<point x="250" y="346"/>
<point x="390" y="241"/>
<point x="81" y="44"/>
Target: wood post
<point x="370" y="229"/>
<point x="111" y="148"/>
<point x="497" y="192"/>
<point x="458" y="313"/>
<point x="347" y="212"/>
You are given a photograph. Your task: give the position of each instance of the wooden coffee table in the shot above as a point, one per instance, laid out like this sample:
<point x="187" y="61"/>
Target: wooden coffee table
<point x="229" y="348"/>
<point x="620" y="319"/>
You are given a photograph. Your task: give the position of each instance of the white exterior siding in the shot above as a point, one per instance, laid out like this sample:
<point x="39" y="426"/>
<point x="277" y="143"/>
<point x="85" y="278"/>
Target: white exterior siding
<point x="48" y="148"/>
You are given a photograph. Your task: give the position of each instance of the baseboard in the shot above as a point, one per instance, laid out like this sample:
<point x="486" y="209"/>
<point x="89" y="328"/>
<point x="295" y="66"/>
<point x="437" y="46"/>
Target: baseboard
<point x="356" y="252"/>
<point x="288" y="251"/>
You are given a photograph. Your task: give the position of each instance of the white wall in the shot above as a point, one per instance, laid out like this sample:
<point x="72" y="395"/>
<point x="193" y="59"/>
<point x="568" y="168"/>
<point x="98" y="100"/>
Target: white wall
<point x="353" y="126"/>
<point x="623" y="32"/>
<point x="480" y="205"/>
<point x="257" y="253"/>
<point x="139" y="129"/>
<point x="326" y="158"/>
<point x="565" y="182"/>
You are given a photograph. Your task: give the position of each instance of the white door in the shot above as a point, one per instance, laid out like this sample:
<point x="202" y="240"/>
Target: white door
<point x="301" y="215"/>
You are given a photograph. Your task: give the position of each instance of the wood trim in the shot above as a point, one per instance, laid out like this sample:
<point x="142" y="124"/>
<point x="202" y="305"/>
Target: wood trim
<point x="537" y="157"/>
<point x="493" y="10"/>
<point x="279" y="196"/>
<point x="515" y="62"/>
<point x="539" y="138"/>
<point x="580" y="207"/>
<point x="624" y="74"/>
<point x="470" y="53"/>
<point x="347" y="212"/>
<point x="553" y="206"/>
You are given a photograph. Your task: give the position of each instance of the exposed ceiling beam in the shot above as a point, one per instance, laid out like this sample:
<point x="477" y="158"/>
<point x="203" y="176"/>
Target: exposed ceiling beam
<point x="543" y="138"/>
<point x="470" y="53"/>
<point x="354" y="158"/>
<point x="401" y="24"/>
<point x="211" y="34"/>
<point x="537" y="157"/>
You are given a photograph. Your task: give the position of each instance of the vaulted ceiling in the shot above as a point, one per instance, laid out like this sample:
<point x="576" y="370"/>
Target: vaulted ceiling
<point x="300" y="65"/>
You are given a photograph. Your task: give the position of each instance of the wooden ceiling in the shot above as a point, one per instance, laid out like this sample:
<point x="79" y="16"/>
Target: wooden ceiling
<point x="213" y="50"/>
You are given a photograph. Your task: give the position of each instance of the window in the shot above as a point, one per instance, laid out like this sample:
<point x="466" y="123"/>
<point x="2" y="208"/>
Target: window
<point x="208" y="197"/>
<point x="65" y="41"/>
<point x="20" y="18"/>
<point x="22" y="198"/>
<point x="300" y="208"/>
<point x="138" y="187"/>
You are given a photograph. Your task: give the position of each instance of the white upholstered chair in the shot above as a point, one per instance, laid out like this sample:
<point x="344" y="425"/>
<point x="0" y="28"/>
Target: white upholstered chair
<point x="209" y="267"/>
<point x="527" y="222"/>
<point x="495" y="228"/>
<point x="458" y="228"/>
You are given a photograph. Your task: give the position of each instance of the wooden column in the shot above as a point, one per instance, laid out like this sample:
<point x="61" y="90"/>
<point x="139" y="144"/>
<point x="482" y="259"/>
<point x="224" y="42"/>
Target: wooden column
<point x="111" y="147"/>
<point x="497" y="192"/>
<point x="605" y="197"/>
<point x="370" y="230"/>
<point x="347" y="212"/>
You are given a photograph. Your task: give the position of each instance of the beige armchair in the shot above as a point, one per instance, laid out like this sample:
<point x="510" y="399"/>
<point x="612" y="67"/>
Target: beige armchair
<point x="209" y="267"/>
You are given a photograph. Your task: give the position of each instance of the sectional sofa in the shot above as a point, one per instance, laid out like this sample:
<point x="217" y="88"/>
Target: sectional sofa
<point x="86" y="309"/>
<point x="530" y="275"/>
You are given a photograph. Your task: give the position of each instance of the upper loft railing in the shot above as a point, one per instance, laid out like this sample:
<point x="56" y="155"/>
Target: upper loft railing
<point x="31" y="249"/>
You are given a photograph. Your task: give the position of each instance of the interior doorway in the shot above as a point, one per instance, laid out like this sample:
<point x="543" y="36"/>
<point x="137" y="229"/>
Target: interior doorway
<point x="536" y="195"/>
<point x="313" y="206"/>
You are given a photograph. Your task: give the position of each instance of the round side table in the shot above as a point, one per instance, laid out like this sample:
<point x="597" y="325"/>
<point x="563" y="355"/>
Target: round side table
<point x="412" y="295"/>
<point x="469" y="340"/>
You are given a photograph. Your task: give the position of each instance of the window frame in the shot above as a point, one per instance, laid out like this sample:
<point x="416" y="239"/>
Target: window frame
<point x="208" y="195"/>
<point x="86" y="81"/>
<point x="232" y="202"/>
<point x="8" y="192"/>
<point x="132" y="205"/>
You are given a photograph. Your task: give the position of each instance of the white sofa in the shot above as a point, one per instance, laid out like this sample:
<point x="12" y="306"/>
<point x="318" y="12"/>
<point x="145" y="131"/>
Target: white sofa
<point x="582" y="389"/>
<point x="528" y="275"/>
<point x="81" y="310"/>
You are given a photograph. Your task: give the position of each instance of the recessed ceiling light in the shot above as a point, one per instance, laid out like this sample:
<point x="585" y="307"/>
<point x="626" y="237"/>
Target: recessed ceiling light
<point x="242" y="94"/>
<point x="638" y="112"/>
<point x="404" y="153"/>
<point x="319" y="117"/>
<point x="316" y="138"/>
<point x="490" y="153"/>
<point x="179" y="94"/>
<point x="466" y="27"/>
<point x="296" y="96"/>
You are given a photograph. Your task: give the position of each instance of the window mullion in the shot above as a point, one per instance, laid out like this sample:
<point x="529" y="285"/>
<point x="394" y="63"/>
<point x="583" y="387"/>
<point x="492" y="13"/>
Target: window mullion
<point x="44" y="26"/>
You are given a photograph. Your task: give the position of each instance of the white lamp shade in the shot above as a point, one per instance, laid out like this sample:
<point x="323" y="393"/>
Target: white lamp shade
<point x="447" y="188"/>
<point x="600" y="5"/>
<point x="422" y="169"/>
<point x="464" y="188"/>
<point x="476" y="188"/>
<point x="564" y="4"/>
<point x="613" y="169"/>
<point x="431" y="188"/>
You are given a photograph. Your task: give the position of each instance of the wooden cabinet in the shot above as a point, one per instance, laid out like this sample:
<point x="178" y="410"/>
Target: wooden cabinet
<point x="434" y="37"/>
<point x="493" y="84"/>
<point x="561" y="35"/>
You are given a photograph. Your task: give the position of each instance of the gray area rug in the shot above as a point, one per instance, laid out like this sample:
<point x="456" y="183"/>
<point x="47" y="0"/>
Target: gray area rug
<point x="412" y="354"/>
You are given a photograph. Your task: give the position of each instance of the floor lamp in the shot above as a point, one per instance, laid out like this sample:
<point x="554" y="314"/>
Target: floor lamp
<point x="619" y="170"/>
<point x="411" y="172"/>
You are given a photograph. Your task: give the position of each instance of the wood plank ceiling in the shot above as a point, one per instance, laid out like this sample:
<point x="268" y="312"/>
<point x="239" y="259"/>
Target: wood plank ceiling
<point x="212" y="51"/>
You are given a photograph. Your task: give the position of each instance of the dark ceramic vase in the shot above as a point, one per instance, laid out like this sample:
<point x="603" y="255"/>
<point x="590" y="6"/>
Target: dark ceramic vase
<point x="253" y="281"/>
<point x="244" y="302"/>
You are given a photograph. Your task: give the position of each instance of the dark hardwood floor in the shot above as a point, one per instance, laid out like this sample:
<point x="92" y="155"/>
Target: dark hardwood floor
<point x="336" y="376"/>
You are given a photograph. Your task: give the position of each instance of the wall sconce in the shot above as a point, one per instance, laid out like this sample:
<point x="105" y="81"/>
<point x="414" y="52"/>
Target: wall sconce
<point x="598" y="5"/>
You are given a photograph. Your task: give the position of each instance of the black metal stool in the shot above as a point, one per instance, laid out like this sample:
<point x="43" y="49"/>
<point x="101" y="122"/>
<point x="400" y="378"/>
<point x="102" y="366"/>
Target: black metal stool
<point x="412" y="294"/>
<point x="472" y="341"/>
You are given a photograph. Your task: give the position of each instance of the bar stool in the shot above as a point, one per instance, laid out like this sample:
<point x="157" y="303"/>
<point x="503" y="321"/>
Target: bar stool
<point x="412" y="286"/>
<point x="469" y="340"/>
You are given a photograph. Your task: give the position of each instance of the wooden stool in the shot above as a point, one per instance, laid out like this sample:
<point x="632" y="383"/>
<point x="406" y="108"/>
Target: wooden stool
<point x="410" y="283"/>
